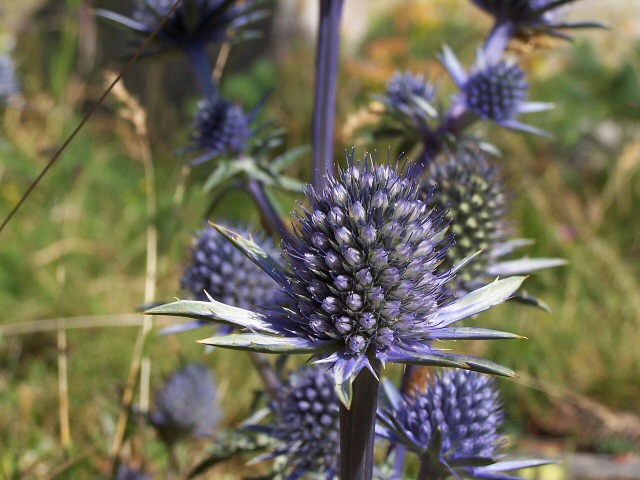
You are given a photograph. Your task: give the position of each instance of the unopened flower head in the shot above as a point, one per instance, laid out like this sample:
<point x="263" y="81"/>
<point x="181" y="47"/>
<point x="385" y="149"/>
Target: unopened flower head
<point x="404" y="88"/>
<point x="186" y="404"/>
<point x="470" y="189"/>
<point x="8" y="81"/>
<point x="494" y="91"/>
<point x="221" y="127"/>
<point x="306" y="423"/>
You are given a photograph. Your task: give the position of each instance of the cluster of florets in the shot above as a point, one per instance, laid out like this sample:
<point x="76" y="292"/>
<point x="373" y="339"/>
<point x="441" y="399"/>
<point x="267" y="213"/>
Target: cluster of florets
<point x="453" y="424"/>
<point x="407" y="93"/>
<point x="470" y="190"/>
<point x="307" y="426"/>
<point x="186" y="405"/>
<point x="219" y="269"/>
<point x="221" y="127"/>
<point x="8" y="81"/>
<point x="365" y="260"/>
<point x="496" y="92"/>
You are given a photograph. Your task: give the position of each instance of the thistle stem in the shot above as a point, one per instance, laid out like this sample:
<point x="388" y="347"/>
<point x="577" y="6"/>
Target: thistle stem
<point x="201" y="69"/>
<point x="427" y="473"/>
<point x="357" y="427"/>
<point x="328" y="55"/>
<point x="269" y="214"/>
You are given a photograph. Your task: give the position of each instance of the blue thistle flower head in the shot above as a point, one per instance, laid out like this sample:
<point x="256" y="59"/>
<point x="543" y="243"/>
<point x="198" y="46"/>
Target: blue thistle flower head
<point x="408" y="99"/>
<point x="471" y="190"/>
<point x="186" y="404"/>
<point x="193" y="24"/>
<point x="452" y="423"/>
<point x="306" y="423"/>
<point x="221" y="127"/>
<point x="8" y="81"/>
<point x="526" y="17"/>
<point x="127" y="472"/>
<point x="362" y="285"/>
<point x="494" y="91"/>
<point x="219" y="271"/>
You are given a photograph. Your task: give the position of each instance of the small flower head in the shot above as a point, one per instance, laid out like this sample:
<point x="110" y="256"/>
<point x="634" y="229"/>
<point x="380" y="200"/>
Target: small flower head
<point x="221" y="127"/>
<point x="306" y="423"/>
<point x="224" y="273"/>
<point x="127" y="472"/>
<point x="8" y="81"/>
<point x="470" y="190"/>
<point x="408" y="93"/>
<point x="494" y="91"/>
<point x="452" y="424"/>
<point x="193" y="24"/>
<point x="186" y="405"/>
<point x="526" y="17"/>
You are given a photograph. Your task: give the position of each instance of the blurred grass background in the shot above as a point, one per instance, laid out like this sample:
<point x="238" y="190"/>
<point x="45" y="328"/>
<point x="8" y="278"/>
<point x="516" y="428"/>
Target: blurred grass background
<point x="78" y="246"/>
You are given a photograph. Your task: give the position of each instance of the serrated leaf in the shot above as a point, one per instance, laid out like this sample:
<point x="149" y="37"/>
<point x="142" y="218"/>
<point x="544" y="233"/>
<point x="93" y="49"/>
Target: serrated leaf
<point x="456" y="361"/>
<point x="257" y="342"/>
<point x="217" y="312"/>
<point x="122" y="21"/>
<point x="256" y="254"/>
<point x="288" y="158"/>
<point x="477" y="301"/>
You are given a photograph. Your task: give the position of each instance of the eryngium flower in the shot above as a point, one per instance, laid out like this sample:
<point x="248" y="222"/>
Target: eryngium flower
<point x="363" y="285"/>
<point x="494" y="91"/>
<point x="192" y="25"/>
<point x="526" y="17"/>
<point x="8" y="81"/>
<point x="408" y="97"/>
<point x="186" y="405"/>
<point x="221" y="127"/>
<point x="453" y="425"/>
<point x="224" y="273"/>
<point x="470" y="189"/>
<point x="127" y="472"/>
<point x="306" y="423"/>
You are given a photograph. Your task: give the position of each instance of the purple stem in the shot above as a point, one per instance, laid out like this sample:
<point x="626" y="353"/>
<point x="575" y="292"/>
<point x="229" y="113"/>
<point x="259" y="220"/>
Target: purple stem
<point x="357" y="427"/>
<point x="269" y="214"/>
<point x="201" y="69"/>
<point x="328" y="55"/>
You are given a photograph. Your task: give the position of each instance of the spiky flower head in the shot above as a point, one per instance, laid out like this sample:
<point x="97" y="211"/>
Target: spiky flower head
<point x="453" y="423"/>
<point x="470" y="189"/>
<point x="193" y="24"/>
<point x="221" y="127"/>
<point x="8" y="81"/>
<point x="186" y="404"/>
<point x="127" y="472"/>
<point x="494" y="91"/>
<point x="306" y="423"/>
<point x="526" y="17"/>
<point x="410" y="94"/>
<point x="362" y="285"/>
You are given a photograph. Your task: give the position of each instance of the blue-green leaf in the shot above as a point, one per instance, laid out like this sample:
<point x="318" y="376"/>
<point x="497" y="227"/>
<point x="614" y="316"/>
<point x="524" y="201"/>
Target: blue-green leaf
<point x="257" y="342"/>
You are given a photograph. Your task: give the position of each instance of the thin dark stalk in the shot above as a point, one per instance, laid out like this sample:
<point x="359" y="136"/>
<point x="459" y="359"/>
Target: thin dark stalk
<point x="328" y="55"/>
<point x="269" y="214"/>
<point x="202" y="69"/>
<point x="267" y="373"/>
<point x="357" y="427"/>
<point x="86" y="118"/>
